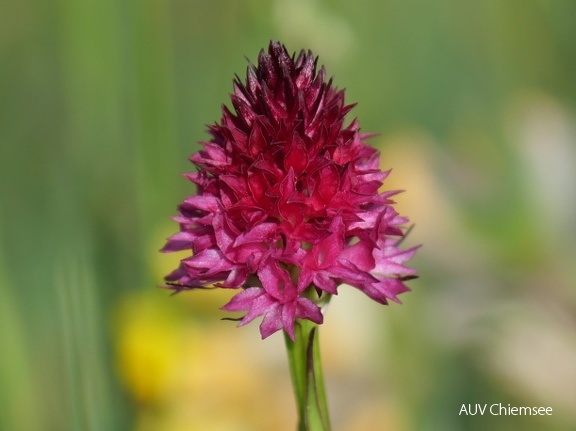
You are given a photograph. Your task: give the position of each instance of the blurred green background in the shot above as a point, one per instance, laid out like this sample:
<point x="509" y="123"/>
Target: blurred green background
<point x="101" y="103"/>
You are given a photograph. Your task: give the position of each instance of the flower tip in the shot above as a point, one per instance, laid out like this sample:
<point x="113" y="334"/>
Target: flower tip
<point x="291" y="335"/>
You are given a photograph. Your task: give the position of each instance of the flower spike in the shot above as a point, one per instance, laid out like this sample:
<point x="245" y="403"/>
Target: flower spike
<point x="288" y="202"/>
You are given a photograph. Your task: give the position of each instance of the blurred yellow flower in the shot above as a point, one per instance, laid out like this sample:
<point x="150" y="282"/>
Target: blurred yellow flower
<point x="148" y="340"/>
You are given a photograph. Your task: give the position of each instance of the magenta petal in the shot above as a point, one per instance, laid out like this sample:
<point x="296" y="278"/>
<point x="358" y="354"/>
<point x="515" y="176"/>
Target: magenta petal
<point x="360" y="254"/>
<point x="261" y="305"/>
<point x="325" y="251"/>
<point x="243" y="301"/>
<point x="224" y="237"/>
<point x="392" y="288"/>
<point x="390" y="261"/>
<point x="306" y="277"/>
<point x="236" y="278"/>
<point x="369" y="219"/>
<point x="276" y="281"/>
<point x="349" y="273"/>
<point x="288" y="318"/>
<point x="179" y="241"/>
<point x="212" y="261"/>
<point x="259" y="233"/>
<point x="307" y="309"/>
<point x="272" y="321"/>
<point x="388" y="288"/>
<point x="326" y="283"/>
<point x="206" y="203"/>
<point x="181" y="280"/>
<point x="256" y="301"/>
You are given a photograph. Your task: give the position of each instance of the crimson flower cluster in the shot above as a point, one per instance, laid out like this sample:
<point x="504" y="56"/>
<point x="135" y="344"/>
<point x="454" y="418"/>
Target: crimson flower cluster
<point x="288" y="205"/>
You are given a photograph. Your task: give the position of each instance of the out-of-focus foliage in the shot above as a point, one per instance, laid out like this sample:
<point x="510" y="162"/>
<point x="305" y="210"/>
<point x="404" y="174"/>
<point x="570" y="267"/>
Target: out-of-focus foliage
<point x="102" y="101"/>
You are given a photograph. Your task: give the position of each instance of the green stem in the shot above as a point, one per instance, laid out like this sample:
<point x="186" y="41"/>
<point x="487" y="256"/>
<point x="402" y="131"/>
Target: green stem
<point x="307" y="380"/>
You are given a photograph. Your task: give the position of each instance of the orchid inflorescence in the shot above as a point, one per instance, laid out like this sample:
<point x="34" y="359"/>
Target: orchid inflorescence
<point x="288" y="204"/>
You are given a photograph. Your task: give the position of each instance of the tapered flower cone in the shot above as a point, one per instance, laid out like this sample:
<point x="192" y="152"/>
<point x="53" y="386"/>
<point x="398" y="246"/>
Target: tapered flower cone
<point x="288" y="201"/>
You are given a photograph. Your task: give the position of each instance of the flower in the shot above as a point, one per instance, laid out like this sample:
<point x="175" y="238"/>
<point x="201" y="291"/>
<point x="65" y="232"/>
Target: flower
<point x="288" y="201"/>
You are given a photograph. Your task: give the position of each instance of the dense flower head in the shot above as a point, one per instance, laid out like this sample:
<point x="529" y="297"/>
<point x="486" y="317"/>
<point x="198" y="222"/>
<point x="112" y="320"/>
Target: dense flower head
<point x="288" y="201"/>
